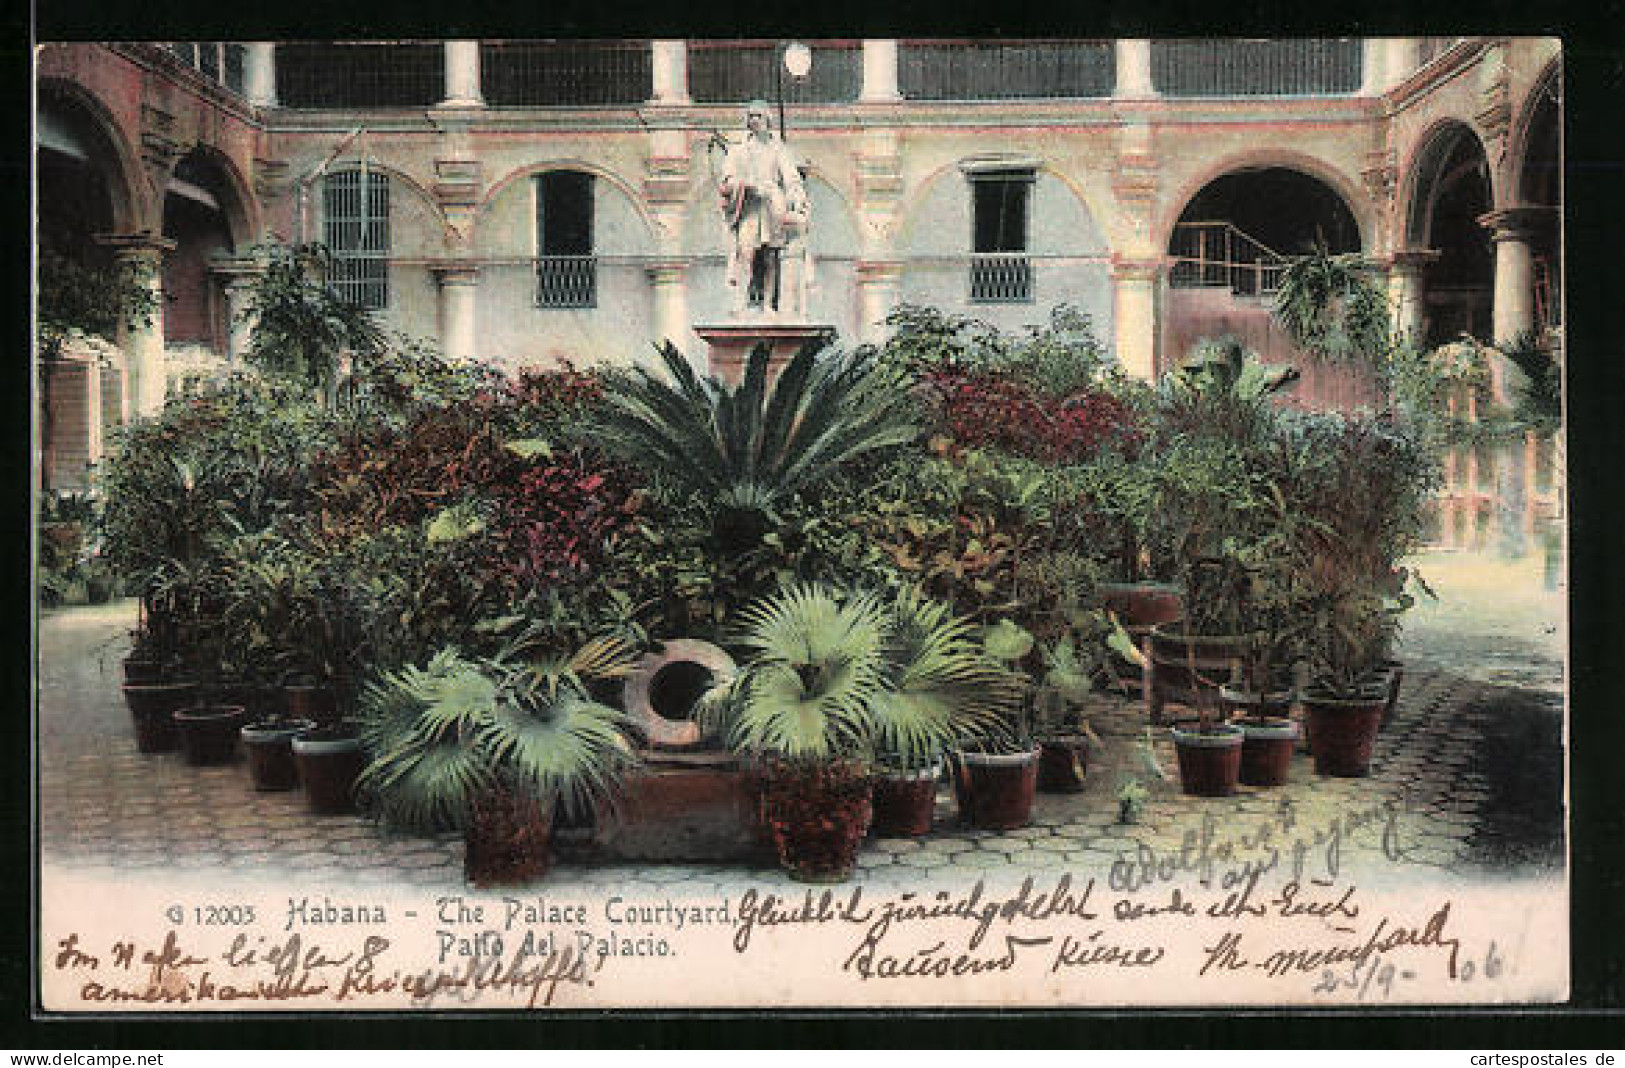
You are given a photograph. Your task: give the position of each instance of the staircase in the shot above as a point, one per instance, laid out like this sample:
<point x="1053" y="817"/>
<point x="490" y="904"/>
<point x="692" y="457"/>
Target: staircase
<point x="1217" y="254"/>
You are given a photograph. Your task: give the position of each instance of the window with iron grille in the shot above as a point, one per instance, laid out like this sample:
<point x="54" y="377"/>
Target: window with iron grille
<point x="355" y="210"/>
<point x="1307" y="66"/>
<point x="736" y="72"/>
<point x="1000" y="271"/>
<point x="566" y="269"/>
<point x="1005" y="70"/>
<point x="219" y="61"/>
<point x="568" y="73"/>
<point x="405" y="74"/>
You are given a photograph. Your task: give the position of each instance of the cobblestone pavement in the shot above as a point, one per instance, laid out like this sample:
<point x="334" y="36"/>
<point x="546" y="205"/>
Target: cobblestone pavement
<point x="1470" y="770"/>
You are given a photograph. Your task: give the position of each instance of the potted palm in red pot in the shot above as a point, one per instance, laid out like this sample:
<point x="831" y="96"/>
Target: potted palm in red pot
<point x="494" y="747"/>
<point x="996" y="770"/>
<point x="805" y="705"/>
<point x="939" y="688"/>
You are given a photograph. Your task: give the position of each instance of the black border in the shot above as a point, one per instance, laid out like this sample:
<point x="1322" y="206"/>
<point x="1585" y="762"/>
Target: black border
<point x="1594" y="41"/>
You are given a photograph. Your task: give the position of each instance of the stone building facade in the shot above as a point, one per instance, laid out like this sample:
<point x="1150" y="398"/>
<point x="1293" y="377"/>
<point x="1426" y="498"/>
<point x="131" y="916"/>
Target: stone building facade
<point x="525" y="203"/>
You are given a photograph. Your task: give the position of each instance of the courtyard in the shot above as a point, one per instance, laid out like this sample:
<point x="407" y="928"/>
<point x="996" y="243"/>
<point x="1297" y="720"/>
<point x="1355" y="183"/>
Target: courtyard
<point x="1471" y="769"/>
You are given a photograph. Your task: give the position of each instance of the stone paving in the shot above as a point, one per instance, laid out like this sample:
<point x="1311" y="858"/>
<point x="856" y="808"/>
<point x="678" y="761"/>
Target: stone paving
<point x="1461" y="807"/>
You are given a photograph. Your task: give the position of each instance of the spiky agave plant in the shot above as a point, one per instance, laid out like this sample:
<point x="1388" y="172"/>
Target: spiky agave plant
<point x="449" y="734"/>
<point x="744" y="449"/>
<point x="940" y="685"/>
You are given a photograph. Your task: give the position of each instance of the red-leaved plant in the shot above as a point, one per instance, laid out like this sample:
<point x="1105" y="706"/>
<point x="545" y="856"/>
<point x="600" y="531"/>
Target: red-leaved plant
<point x="980" y="409"/>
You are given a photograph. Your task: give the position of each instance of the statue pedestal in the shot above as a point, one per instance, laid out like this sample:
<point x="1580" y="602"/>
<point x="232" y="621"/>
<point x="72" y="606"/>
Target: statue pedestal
<point x="731" y="344"/>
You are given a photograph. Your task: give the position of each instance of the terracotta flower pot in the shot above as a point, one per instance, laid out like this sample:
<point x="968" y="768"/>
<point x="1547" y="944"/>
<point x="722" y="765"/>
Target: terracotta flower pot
<point x="997" y="789"/>
<point x="1267" y="745"/>
<point x="1342" y="732"/>
<point x="209" y="733"/>
<point x="819" y="816"/>
<point x="507" y="840"/>
<point x="329" y="761"/>
<point x="1063" y="761"/>
<point x="1209" y="760"/>
<point x="143" y="671"/>
<point x="269" y="745"/>
<point x="905" y="803"/>
<point x="153" y="707"/>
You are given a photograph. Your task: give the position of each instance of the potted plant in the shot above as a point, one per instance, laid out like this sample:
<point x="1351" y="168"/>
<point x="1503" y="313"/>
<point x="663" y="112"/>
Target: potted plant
<point x="1064" y="734"/>
<point x="938" y="688"/>
<point x="1209" y="751"/>
<point x="996" y="771"/>
<point x="492" y="747"/>
<point x="1368" y="503"/>
<point x="1344" y="703"/>
<point x="805" y="706"/>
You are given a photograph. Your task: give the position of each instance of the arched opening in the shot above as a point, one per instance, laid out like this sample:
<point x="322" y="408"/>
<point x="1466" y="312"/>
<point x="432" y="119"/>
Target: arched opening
<point x="79" y="288"/>
<point x="1452" y="191"/>
<point x="1229" y="249"/>
<point x="197" y="201"/>
<point x="1541" y="186"/>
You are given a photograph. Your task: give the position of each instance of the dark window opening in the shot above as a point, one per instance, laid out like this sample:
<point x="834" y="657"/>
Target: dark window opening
<point x="566" y="269"/>
<point x="1000" y="271"/>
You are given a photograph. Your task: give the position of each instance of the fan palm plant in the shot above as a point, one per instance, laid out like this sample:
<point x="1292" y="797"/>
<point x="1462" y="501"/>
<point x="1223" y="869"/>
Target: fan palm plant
<point x="489" y="746"/>
<point x="940" y="686"/>
<point x="744" y="449"/>
<point x="832" y="679"/>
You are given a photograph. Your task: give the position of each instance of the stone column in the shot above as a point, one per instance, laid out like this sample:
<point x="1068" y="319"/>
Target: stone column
<point x="1399" y="58"/>
<point x="463" y="75"/>
<point x="1514" y="301"/>
<point x="236" y="278"/>
<point x="877" y="295"/>
<point x="93" y="411"/>
<point x="666" y="277"/>
<point x="1407" y="291"/>
<point x="1512" y="314"/>
<point x="879" y="73"/>
<point x="669" y="60"/>
<point x="1134" y="314"/>
<point x="1134" y="69"/>
<point x="259" y="74"/>
<point x="143" y="343"/>
<point x="1374" y="74"/>
<point x="459" y="294"/>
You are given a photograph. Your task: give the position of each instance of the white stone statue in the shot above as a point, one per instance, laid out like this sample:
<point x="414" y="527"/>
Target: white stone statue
<point x="765" y="205"/>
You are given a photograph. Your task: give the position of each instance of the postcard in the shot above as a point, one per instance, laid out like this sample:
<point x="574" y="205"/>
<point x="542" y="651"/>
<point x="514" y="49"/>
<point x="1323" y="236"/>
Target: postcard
<point x="558" y="525"/>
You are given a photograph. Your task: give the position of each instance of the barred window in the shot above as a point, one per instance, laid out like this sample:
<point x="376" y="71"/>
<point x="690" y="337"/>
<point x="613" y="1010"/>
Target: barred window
<point x="1000" y="272"/>
<point x="566" y="269"/>
<point x="355" y="208"/>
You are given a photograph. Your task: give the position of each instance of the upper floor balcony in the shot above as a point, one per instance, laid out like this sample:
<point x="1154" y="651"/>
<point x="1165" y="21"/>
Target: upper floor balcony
<point x="589" y="74"/>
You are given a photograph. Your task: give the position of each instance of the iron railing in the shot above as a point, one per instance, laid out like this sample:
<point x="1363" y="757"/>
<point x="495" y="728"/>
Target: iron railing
<point x="1001" y="278"/>
<point x="1310" y="66"/>
<point x="567" y="281"/>
<point x="565" y="73"/>
<point x="219" y="61"/>
<point x="1218" y="254"/>
<point x="734" y="72"/>
<point x="345" y="75"/>
<point x="985" y="70"/>
<point x="355" y="216"/>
